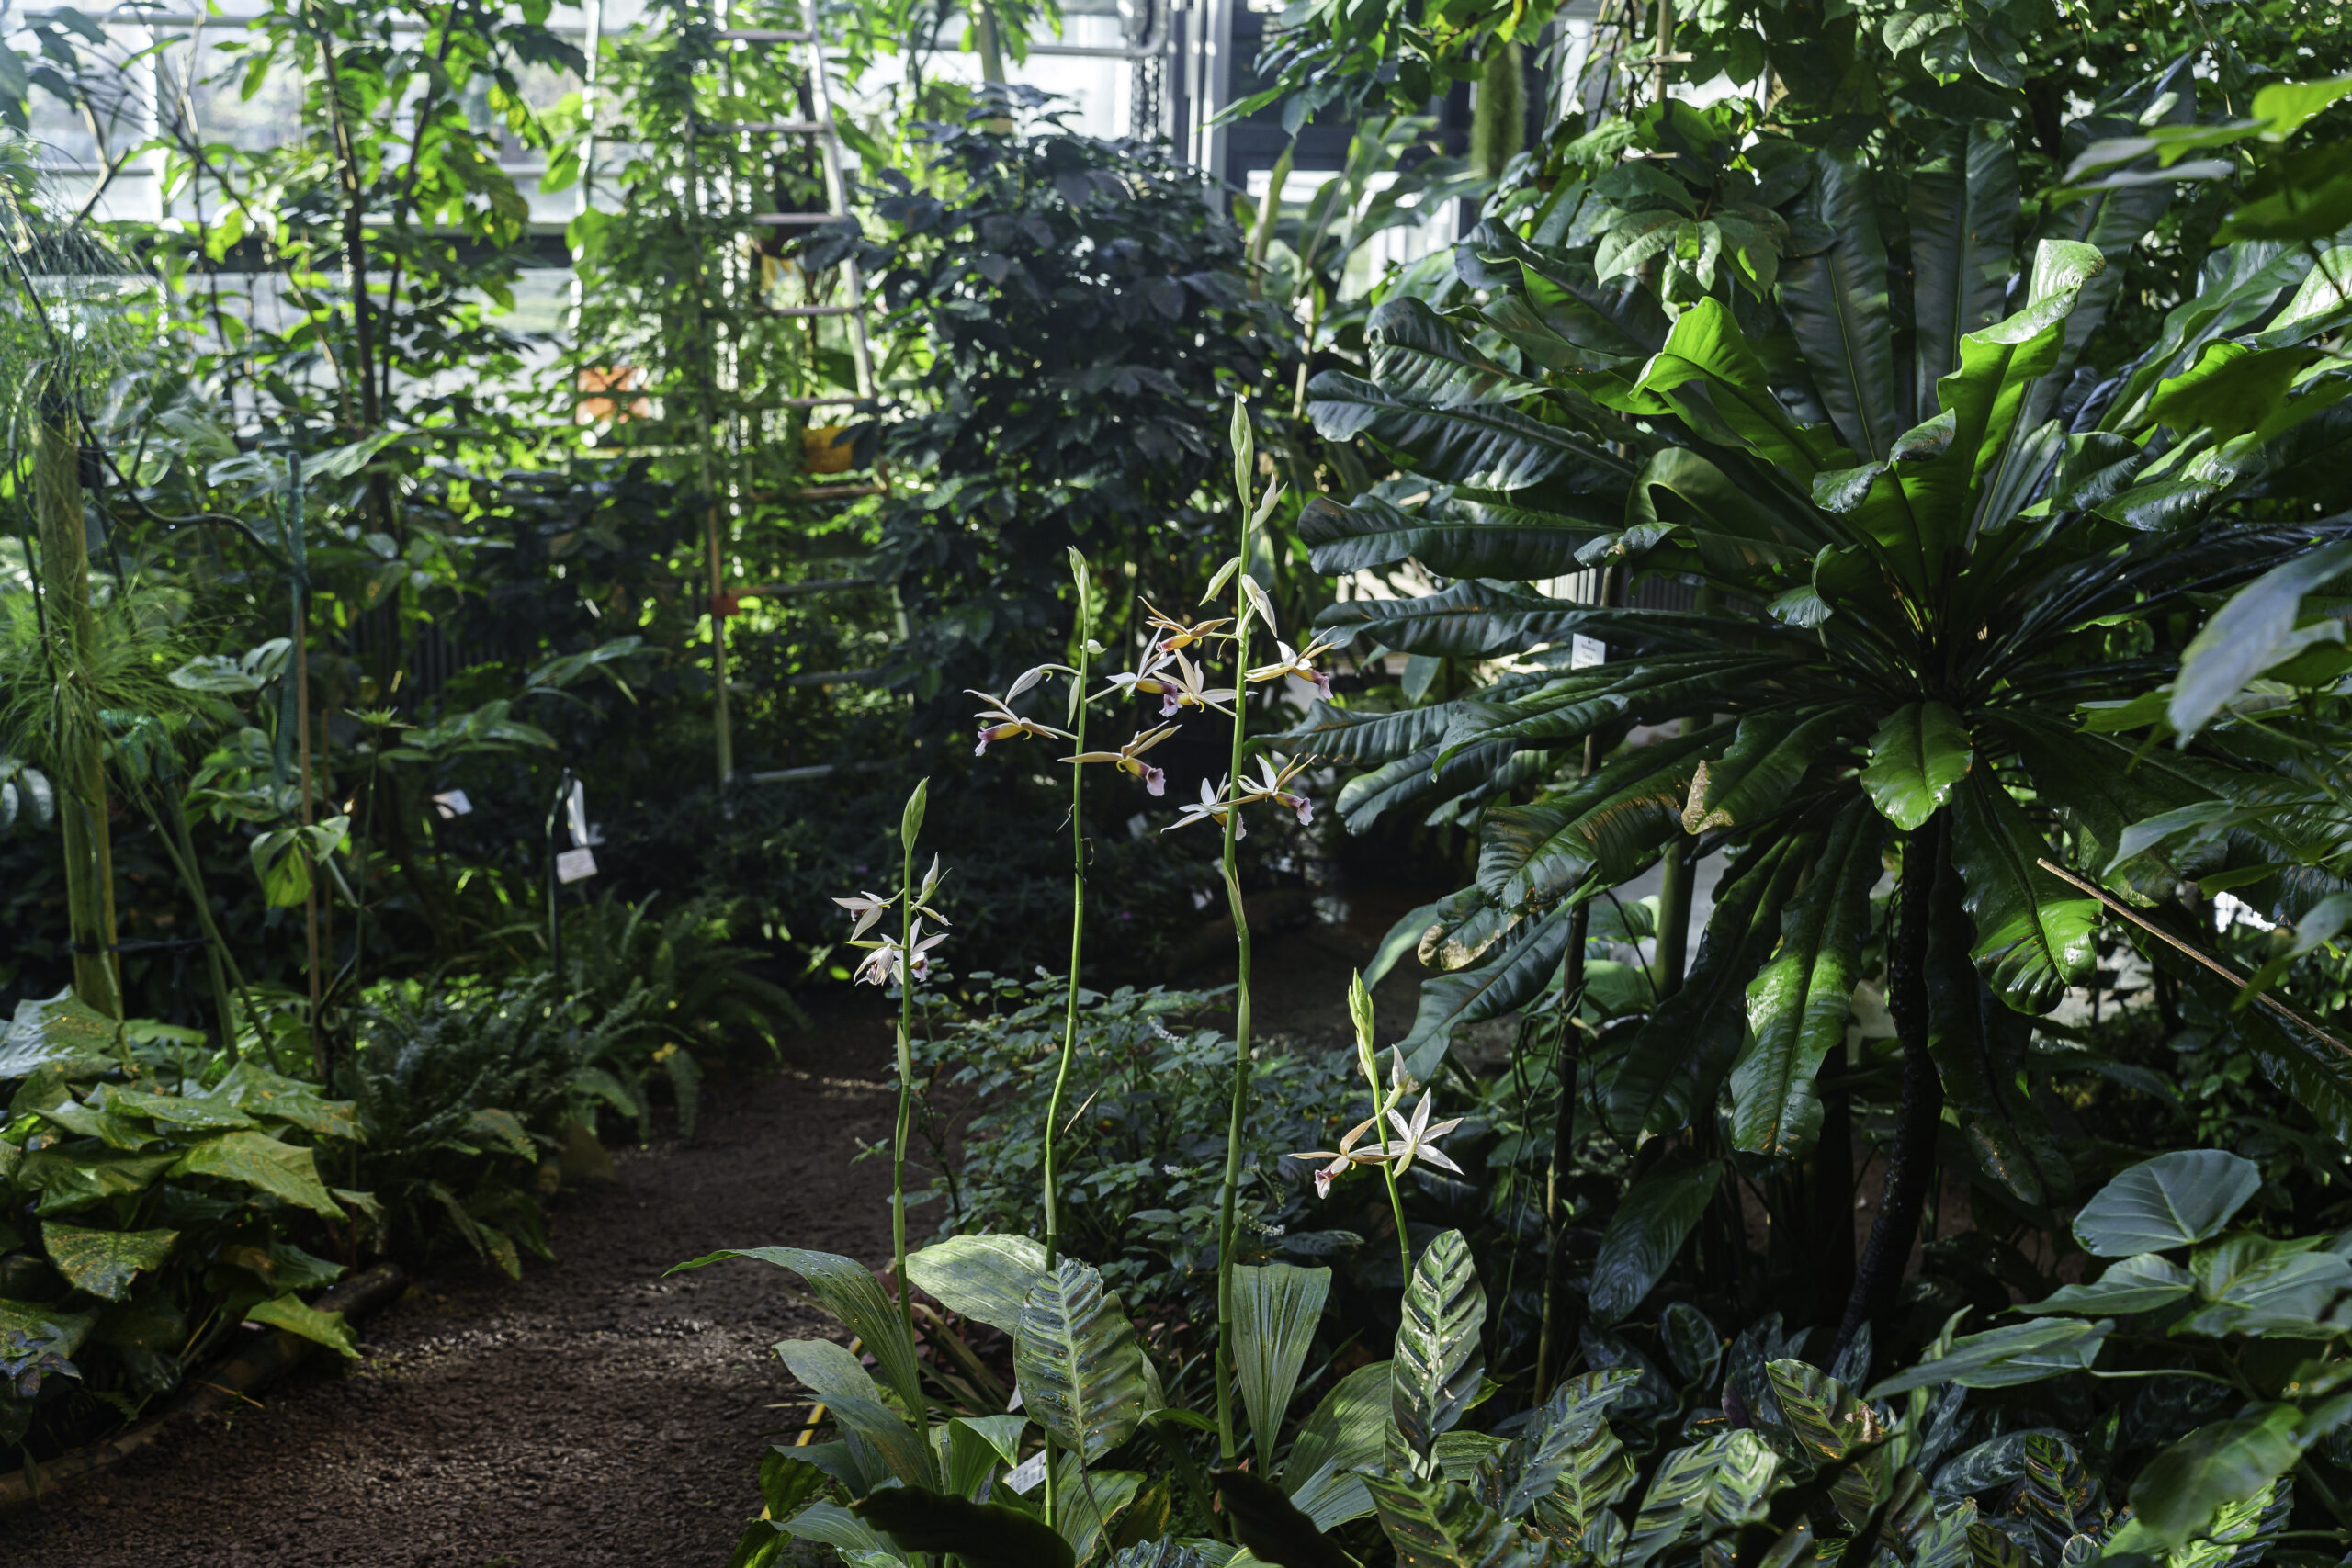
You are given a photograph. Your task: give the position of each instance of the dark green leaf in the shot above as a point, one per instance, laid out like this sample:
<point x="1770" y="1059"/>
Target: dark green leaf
<point x="984" y="1535"/>
<point x="1439" y="1358"/>
<point x="1649" y="1228"/>
<point x="1836" y="304"/>
<point x="1275" y="1310"/>
<point x="1436" y="1524"/>
<point x="1082" y="1371"/>
<point x="2171" y="1201"/>
<point x="2033" y="932"/>
<point x="986" y="1278"/>
<point x="1270" y="1528"/>
<point x="2021" y="1352"/>
<point x="1916" y="756"/>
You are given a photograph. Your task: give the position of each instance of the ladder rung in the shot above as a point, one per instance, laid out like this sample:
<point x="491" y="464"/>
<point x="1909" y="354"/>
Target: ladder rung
<point x="820" y="585"/>
<point x="804" y="310"/>
<point x="793" y="219"/>
<point x="761" y="127"/>
<point x="849" y="402"/>
<point x="762" y="35"/>
<point x="835" y="493"/>
<point x="788" y="775"/>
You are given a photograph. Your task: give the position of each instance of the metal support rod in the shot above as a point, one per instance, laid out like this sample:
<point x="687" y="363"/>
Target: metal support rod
<point x="554" y="884"/>
<point x="836" y="195"/>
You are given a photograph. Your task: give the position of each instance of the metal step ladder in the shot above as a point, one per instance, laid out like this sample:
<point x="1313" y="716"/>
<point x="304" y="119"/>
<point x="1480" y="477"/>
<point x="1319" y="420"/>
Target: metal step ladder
<point x="827" y="139"/>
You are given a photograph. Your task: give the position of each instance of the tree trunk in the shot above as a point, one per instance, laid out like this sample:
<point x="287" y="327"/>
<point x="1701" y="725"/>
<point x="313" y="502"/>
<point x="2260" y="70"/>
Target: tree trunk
<point x="1911" y="1163"/>
<point x="73" y="633"/>
<point x="1832" y="1247"/>
<point x="1551" y="1349"/>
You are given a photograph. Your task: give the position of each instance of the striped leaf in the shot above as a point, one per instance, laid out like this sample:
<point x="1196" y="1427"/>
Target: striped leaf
<point x="1075" y="1356"/>
<point x="1439" y="1358"/>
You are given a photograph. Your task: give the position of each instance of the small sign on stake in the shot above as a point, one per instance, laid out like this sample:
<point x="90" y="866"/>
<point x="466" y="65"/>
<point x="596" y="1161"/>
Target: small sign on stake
<point x="575" y="865"/>
<point x="1586" y="652"/>
<point x="453" y="803"/>
<point x="1028" y="1472"/>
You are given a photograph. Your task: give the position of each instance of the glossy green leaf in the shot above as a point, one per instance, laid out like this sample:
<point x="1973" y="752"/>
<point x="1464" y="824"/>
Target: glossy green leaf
<point x="289" y="1312"/>
<point x="2249" y="635"/>
<point x="978" y="1446"/>
<point x="2141" y="1283"/>
<point x="1439" y="1357"/>
<point x="1457" y="537"/>
<point x="1093" y="1501"/>
<point x="264" y="1164"/>
<point x="986" y="1278"/>
<point x="1917" y="755"/>
<point x="103" y="1262"/>
<point x="1275" y="1310"/>
<point x="1508" y="977"/>
<point x="850" y="1293"/>
<point x="854" y="1405"/>
<point x="1531" y="1467"/>
<point x="1718" y="1481"/>
<point x="1963" y="209"/>
<point x="1797" y="1005"/>
<point x="1081" y="1371"/>
<point x="2177" y="1493"/>
<point x="2256" y="1286"/>
<point x="1471" y="619"/>
<point x="1769" y="755"/>
<point x="984" y="1535"/>
<point x="1348" y="1429"/>
<point x="2034" y="933"/>
<point x="1681" y="1051"/>
<point x="1706" y="351"/>
<point x="1837" y="307"/>
<point x="2021" y="1352"/>
<point x="1652" y="1220"/>
<point x="1491" y="444"/>
<point x="1437" y="1524"/>
<point x="2171" y="1201"/>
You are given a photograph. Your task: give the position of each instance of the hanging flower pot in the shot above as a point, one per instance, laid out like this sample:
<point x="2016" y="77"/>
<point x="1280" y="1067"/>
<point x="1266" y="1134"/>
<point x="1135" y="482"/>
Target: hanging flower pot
<point x="819" y="452"/>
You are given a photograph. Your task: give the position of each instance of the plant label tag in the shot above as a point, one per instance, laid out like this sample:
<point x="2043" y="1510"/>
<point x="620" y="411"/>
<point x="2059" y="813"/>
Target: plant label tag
<point x="1584" y="652"/>
<point x="1028" y="1472"/>
<point x="453" y="803"/>
<point x="575" y="865"/>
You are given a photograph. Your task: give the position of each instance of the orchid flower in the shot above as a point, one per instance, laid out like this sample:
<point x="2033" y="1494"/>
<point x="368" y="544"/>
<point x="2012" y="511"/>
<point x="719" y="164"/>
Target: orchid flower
<point x="1213" y="807"/>
<point x="868" y="907"/>
<point x="1146" y="681"/>
<point x="1417" y="1139"/>
<point x="1347" y="1155"/>
<point x="1178" y="634"/>
<point x="1004" y="724"/>
<point x="1128" y="759"/>
<point x="886" y="963"/>
<point x="1192" y="690"/>
<point x="1271" y="785"/>
<point x="1294" y="662"/>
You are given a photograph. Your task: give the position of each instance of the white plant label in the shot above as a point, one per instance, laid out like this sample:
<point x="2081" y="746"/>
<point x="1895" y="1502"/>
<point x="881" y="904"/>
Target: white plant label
<point x="1028" y="1472"/>
<point x="1584" y="652"/>
<point x="453" y="803"/>
<point x="575" y="865"/>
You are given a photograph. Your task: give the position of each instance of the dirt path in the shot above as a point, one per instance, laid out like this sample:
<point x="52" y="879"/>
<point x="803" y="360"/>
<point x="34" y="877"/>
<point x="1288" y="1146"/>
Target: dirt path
<point x="596" y="1413"/>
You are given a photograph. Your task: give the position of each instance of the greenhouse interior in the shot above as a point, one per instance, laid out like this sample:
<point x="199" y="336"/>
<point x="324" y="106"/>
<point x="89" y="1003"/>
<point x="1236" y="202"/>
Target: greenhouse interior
<point x="1176" y="783"/>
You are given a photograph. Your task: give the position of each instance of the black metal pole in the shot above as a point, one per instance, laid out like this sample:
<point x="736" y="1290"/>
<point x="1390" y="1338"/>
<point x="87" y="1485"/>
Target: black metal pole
<point x="555" y="910"/>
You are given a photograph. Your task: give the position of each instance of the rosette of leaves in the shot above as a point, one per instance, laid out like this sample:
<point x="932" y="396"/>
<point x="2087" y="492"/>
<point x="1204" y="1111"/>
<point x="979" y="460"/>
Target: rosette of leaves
<point x="1935" y="528"/>
<point x="142" y="1225"/>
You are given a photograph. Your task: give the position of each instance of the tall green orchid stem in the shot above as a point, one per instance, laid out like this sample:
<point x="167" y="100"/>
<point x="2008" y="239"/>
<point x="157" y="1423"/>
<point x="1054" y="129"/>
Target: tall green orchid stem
<point x="1077" y="944"/>
<point x="910" y="828"/>
<point x="1368" y="1057"/>
<point x="1244" y="461"/>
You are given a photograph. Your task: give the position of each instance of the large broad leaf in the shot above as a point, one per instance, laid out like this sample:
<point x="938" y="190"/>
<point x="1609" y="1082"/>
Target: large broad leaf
<point x="1440" y="1359"/>
<point x="1615" y="820"/>
<point x="67" y="1182"/>
<point x="1529" y="1468"/>
<point x="836" y="1525"/>
<point x="976" y="1446"/>
<point x="254" y="1089"/>
<point x="2237" y="285"/>
<point x="1471" y="619"/>
<point x="2256" y="1286"/>
<point x="1348" y="1431"/>
<point x="1481" y="444"/>
<point x="2034" y="933"/>
<point x="290" y="1312"/>
<point x="1091" y="1500"/>
<point x="2141" y="1283"/>
<point x="1436" y="1524"/>
<point x="1448" y="535"/>
<point x="984" y="1535"/>
<point x="1824" y="1418"/>
<point x="1797" y="1006"/>
<point x="2022" y="1352"/>
<point x="1678" y="1057"/>
<point x="59" y="1029"/>
<point x="850" y="1293"/>
<point x="2170" y="1200"/>
<point x="1649" y="1228"/>
<point x="1706" y="353"/>
<point x="1916" y="756"/>
<point x="105" y="1262"/>
<point x="1963" y="212"/>
<point x="1837" y="307"/>
<point x="1082" y="1371"/>
<point x="2253" y="631"/>
<point x="262" y="1162"/>
<point x="2176" y="1494"/>
<point x="855" y="1405"/>
<point x="1274" y="1531"/>
<point x="1276" y="1309"/>
<point x="1718" y="1481"/>
<point x="1507" y="979"/>
<point x="987" y="1278"/>
<point x="1732" y="526"/>
<point x="1419" y="355"/>
<point x="1980" y="1048"/>
<point x="1418" y="778"/>
<point x="1769" y="754"/>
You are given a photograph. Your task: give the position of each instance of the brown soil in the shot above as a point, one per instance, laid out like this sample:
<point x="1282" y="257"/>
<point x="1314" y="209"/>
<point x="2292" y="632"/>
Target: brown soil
<point x="595" y="1413"/>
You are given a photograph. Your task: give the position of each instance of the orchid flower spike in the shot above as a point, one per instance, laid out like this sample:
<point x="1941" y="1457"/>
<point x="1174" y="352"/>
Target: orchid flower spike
<point x="1128" y="759"/>
<point x="1148" y="680"/>
<point x="1275" y="786"/>
<point x="1191" y="691"/>
<point x="868" y="907"/>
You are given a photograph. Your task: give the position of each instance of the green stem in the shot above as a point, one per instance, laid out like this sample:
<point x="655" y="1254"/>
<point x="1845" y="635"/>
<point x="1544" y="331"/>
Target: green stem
<point x="1226" y="1447"/>
<point x="906" y="1109"/>
<point x="1070" y="1002"/>
<point x="1388" y="1173"/>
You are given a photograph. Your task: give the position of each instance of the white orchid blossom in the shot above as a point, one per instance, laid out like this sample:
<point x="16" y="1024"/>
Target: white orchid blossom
<point x="1128" y="759"/>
